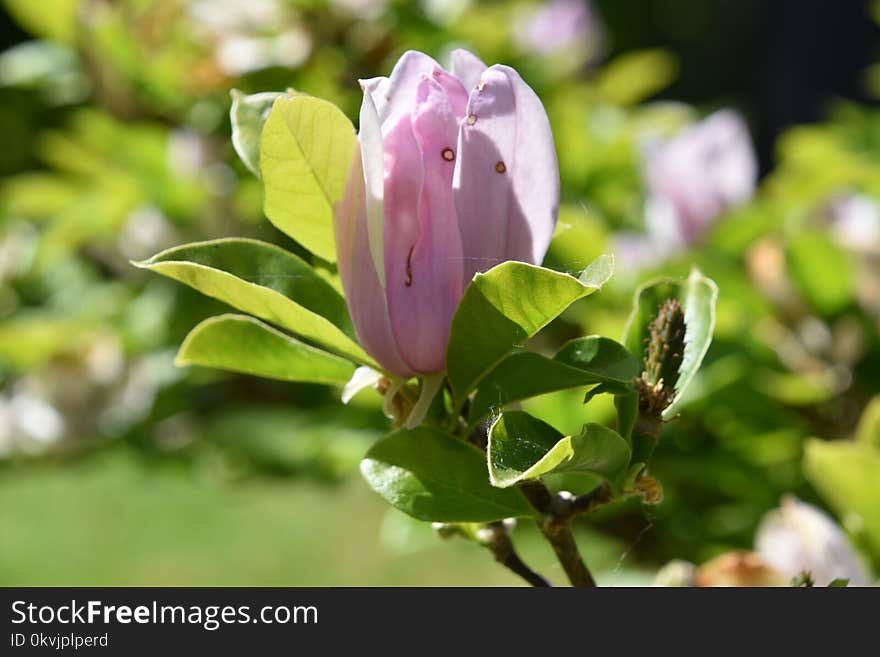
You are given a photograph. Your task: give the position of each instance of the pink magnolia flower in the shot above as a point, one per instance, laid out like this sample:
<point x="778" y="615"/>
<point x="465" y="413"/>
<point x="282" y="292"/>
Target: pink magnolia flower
<point x="696" y="176"/>
<point x="560" y="27"/>
<point x="457" y="173"/>
<point x="691" y="180"/>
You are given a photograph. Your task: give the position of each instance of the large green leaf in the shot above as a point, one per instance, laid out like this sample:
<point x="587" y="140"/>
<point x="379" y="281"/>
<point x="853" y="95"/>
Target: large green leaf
<point x="305" y="156"/>
<point x="697" y="296"/>
<point x="522" y="447"/>
<point x="432" y="476"/>
<point x="243" y="344"/>
<point x="247" y="116"/>
<point x="845" y="473"/>
<point x="506" y="306"/>
<point x="265" y="281"/>
<point x="581" y="362"/>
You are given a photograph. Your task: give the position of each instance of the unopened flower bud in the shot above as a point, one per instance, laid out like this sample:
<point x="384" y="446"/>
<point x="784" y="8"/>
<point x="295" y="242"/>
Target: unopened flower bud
<point x="663" y="357"/>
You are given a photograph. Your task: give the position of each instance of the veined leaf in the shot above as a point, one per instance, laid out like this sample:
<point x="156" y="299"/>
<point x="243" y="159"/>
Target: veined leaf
<point x="522" y="447"/>
<point x="243" y="344"/>
<point x="268" y="282"/>
<point x="506" y="306"/>
<point x="432" y="476"/>
<point x="581" y="362"/>
<point x="305" y="155"/>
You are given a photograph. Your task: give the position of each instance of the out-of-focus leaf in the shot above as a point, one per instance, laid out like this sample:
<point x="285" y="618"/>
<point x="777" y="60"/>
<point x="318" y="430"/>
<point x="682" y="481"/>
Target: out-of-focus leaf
<point x="636" y="76"/>
<point x="243" y="344"/>
<point x="868" y="431"/>
<point x="522" y="447"/>
<point x="822" y="271"/>
<point x="430" y="475"/>
<point x="52" y="19"/>
<point x="698" y="296"/>
<point x="265" y="281"/>
<point x="846" y="475"/>
<point x="247" y="116"/>
<point x="581" y="362"/>
<point x="506" y="306"/>
<point x="305" y="155"/>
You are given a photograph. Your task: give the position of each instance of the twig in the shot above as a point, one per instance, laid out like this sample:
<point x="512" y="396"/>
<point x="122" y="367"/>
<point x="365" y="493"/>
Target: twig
<point x="497" y="539"/>
<point x="556" y="528"/>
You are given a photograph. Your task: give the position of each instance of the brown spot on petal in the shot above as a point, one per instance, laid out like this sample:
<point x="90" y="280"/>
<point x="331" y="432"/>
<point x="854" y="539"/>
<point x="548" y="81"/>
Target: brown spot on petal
<point x="448" y="154"/>
<point x="472" y="119"/>
<point x="500" y="167"/>
<point x="408" y="280"/>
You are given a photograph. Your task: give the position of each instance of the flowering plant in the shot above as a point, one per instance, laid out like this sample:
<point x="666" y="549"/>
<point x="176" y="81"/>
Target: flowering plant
<point x="426" y="231"/>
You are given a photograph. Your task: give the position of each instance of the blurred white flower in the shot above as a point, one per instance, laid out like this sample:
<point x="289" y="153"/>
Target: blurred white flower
<point x="145" y="232"/>
<point x="797" y="537"/>
<point x="28" y="424"/>
<point x="234" y="16"/>
<point x="855" y="222"/>
<point x="363" y="9"/>
<point x="242" y="54"/>
<point x="559" y="27"/>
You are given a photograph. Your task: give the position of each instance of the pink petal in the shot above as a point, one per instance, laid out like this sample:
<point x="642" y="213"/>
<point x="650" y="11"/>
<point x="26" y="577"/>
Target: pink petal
<point x="363" y="292"/>
<point x="467" y="67"/>
<point x="395" y="96"/>
<point x="422" y="245"/>
<point x="373" y="158"/>
<point x="507" y="176"/>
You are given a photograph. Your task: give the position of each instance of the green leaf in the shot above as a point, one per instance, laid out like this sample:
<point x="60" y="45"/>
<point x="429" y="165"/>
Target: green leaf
<point x="868" y="431"/>
<point x="430" y="475"/>
<point x="636" y="76"/>
<point x="822" y="271"/>
<point x="248" y="115"/>
<point x="243" y="344"/>
<point x="506" y="306"/>
<point x="305" y="155"/>
<point x="698" y="296"/>
<point x="839" y="583"/>
<point x="522" y="447"/>
<point x="845" y="475"/>
<point x="265" y="281"/>
<point x="581" y="362"/>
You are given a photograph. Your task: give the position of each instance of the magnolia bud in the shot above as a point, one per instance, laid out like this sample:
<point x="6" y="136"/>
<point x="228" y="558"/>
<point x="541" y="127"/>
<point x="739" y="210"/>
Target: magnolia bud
<point x="457" y="173"/>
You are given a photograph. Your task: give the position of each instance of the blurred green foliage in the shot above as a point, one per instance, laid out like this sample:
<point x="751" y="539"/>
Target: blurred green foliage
<point x="117" y="145"/>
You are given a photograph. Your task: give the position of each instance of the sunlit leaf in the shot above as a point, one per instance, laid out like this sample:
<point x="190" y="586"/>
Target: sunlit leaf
<point x="238" y="343"/>
<point x="522" y="447"/>
<point x="305" y="155"/>
<point x="432" y="476"/>
<point x="506" y="306"/>
<point x="845" y="473"/>
<point x="265" y="281"/>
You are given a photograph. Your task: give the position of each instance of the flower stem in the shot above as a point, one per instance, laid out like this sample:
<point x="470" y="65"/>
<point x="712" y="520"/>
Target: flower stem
<point x="556" y="528"/>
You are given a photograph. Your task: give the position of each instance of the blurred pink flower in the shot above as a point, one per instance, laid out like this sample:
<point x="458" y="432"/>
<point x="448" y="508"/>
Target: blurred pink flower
<point x="457" y="173"/>
<point x="691" y="180"/>
<point x="560" y="27"/>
